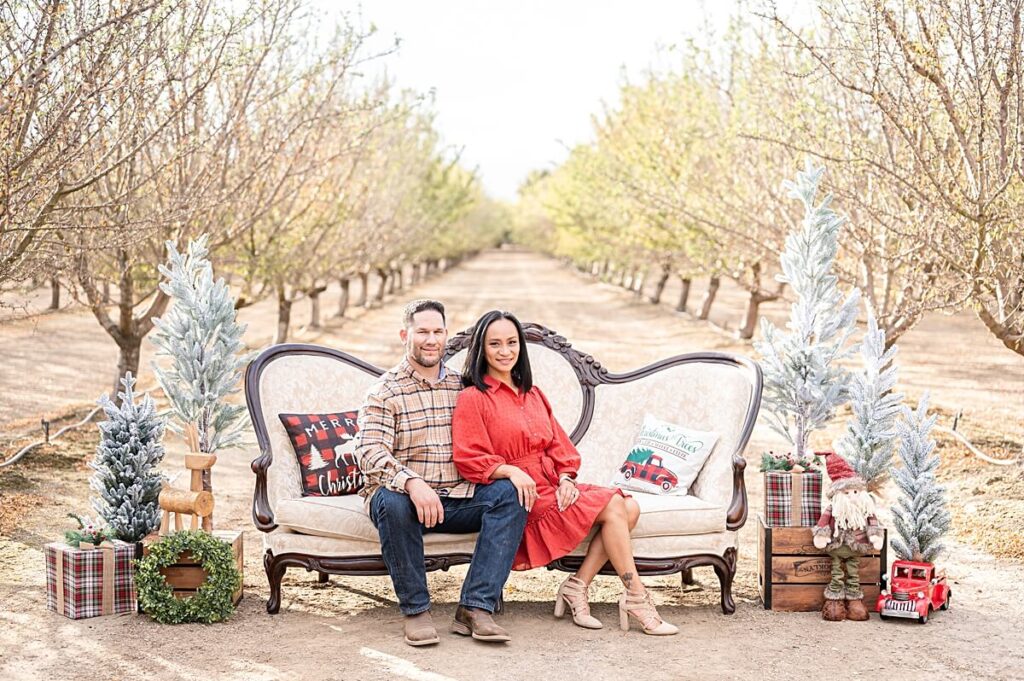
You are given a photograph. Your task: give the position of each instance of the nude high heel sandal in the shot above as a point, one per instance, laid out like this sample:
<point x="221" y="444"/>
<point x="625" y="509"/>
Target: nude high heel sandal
<point x="573" y="592"/>
<point x="641" y="608"/>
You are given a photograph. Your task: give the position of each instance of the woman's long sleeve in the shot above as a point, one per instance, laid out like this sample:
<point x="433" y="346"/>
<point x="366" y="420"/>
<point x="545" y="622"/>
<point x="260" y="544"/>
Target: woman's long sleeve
<point x="561" y="451"/>
<point x="472" y="450"/>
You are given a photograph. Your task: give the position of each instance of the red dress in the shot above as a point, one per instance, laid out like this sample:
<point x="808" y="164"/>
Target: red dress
<point x="505" y="426"/>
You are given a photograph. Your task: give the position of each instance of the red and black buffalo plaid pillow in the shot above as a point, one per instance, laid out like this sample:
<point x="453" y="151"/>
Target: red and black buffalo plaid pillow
<point x="325" y="447"/>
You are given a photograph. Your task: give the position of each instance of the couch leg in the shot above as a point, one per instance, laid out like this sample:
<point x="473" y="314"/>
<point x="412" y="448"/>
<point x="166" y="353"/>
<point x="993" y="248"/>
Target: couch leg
<point x="686" y="574"/>
<point x="726" y="570"/>
<point x="275" y="573"/>
<point x="323" y="578"/>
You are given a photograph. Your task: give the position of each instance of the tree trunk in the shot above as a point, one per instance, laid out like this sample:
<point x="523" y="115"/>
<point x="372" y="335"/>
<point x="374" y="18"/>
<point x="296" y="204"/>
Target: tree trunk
<point x="684" y="294"/>
<point x="392" y="283"/>
<point x="284" y="316"/>
<point x="659" y="286"/>
<point x="54" y="293"/>
<point x="638" y="283"/>
<point x="344" y="282"/>
<point x="314" y="308"/>
<point x="129" y="350"/>
<point x="381" y="285"/>
<point x="750" y="317"/>
<point x="620" y="280"/>
<point x="709" y="298"/>
<point x="105" y="288"/>
<point x="399" y="277"/>
<point x="364" y="285"/>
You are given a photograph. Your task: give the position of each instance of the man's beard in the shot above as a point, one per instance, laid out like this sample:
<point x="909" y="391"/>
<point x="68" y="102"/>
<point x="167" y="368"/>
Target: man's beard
<point x="851" y="511"/>
<point x="418" y="357"/>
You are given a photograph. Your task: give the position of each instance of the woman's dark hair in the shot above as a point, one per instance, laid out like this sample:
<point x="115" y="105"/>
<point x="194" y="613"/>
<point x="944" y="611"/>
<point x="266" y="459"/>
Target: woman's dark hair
<point x="475" y="368"/>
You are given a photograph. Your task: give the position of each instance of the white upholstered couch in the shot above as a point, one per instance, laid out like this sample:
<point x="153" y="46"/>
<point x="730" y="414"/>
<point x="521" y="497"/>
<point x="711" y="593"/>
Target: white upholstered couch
<point x="601" y="410"/>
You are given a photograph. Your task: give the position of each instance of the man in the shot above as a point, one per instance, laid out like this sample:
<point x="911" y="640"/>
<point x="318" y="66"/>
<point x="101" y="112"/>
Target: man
<point x="413" y="487"/>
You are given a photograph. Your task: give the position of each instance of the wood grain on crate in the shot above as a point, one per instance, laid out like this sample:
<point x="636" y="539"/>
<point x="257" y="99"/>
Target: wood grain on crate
<point x="186" y="575"/>
<point x="792" y="573"/>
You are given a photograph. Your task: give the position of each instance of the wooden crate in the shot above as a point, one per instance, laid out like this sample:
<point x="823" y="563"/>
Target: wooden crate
<point x="792" y="574"/>
<point x="186" y="575"/>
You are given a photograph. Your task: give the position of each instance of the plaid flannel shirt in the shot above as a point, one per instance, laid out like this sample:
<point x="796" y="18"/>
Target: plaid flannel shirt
<point x="405" y="431"/>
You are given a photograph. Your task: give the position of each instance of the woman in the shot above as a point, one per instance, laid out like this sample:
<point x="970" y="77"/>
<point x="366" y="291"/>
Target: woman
<point x="503" y="428"/>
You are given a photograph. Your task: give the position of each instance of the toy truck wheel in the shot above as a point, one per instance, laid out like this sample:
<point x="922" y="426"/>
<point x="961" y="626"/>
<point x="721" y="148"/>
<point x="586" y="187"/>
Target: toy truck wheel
<point x="666" y="485"/>
<point x="945" y="603"/>
<point x="923" y="619"/>
<point x="628" y="473"/>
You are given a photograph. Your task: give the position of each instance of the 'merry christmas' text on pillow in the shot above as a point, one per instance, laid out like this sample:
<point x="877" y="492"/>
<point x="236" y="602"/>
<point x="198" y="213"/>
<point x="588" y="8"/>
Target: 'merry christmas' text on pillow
<point x="665" y="458"/>
<point x="325" y="448"/>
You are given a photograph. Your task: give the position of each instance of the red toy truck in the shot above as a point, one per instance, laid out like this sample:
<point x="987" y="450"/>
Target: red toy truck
<point x="651" y="470"/>
<point x="914" y="591"/>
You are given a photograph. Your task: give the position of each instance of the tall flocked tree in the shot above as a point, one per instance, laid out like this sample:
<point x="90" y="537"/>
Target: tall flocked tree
<point x="126" y="479"/>
<point x="803" y="384"/>
<point x="920" y="516"/>
<point x="870" y="438"/>
<point x="204" y="343"/>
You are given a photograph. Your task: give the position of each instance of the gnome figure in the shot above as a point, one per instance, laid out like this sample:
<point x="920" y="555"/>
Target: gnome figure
<point x="846" y="529"/>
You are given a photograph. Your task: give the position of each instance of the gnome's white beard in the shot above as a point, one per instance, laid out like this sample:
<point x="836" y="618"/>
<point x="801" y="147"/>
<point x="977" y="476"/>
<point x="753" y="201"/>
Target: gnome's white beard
<point x="851" y="510"/>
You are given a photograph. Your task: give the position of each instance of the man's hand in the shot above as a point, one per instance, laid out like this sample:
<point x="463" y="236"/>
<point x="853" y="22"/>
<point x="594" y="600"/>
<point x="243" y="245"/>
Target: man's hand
<point x="567" y="494"/>
<point x="876" y="541"/>
<point x="429" y="509"/>
<point x="820" y="541"/>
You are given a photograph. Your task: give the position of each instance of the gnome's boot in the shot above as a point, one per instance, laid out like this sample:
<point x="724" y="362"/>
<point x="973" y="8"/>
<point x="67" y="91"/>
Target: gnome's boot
<point x="834" y="609"/>
<point x="856" y="610"/>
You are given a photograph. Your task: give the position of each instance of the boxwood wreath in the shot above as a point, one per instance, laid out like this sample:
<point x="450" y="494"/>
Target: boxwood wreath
<point x="212" y="601"/>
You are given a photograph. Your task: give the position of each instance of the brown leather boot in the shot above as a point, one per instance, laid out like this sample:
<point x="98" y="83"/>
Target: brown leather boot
<point x="833" y="610"/>
<point x="479" y="624"/>
<point x="419" y="630"/>
<point x="856" y="611"/>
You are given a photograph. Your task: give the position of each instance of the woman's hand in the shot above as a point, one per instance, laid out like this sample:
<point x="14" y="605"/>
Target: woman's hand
<point x="524" y="484"/>
<point x="567" y="494"/>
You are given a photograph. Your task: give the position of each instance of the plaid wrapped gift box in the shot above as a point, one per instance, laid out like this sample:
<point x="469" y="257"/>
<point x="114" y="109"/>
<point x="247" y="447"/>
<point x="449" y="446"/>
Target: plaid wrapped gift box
<point x="90" y="582"/>
<point x="788" y="495"/>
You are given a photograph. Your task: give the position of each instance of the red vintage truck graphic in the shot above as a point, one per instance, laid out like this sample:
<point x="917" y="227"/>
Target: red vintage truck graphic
<point x="645" y="465"/>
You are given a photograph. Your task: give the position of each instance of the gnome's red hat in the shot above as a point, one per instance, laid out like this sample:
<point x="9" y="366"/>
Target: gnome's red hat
<point x="842" y="475"/>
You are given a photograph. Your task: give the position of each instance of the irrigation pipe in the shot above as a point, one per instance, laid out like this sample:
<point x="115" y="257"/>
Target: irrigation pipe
<point x="974" y="450"/>
<point x="28" y="448"/>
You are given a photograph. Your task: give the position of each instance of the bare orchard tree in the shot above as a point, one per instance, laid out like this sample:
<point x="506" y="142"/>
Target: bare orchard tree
<point x="61" y="65"/>
<point x="945" y="77"/>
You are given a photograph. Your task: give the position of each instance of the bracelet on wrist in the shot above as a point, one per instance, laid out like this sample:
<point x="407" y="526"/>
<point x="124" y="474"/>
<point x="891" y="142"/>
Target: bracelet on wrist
<point x="566" y="477"/>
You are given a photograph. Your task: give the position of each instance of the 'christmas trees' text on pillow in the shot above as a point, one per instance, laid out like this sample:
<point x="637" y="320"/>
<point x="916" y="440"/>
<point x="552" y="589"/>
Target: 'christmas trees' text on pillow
<point x="665" y="458"/>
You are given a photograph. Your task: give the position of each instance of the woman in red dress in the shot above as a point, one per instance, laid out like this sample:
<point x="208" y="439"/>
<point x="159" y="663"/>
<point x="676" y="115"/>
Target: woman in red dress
<point x="503" y="428"/>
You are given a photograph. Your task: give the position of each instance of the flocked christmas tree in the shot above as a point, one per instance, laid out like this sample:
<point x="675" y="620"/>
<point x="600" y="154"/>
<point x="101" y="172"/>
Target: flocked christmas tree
<point x="920" y="516"/>
<point x="803" y="384"/>
<point x="203" y="341"/>
<point x="126" y="479"/>
<point x="870" y="438"/>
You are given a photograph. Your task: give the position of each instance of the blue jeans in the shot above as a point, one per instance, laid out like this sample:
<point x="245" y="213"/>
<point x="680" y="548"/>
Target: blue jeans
<point x="493" y="511"/>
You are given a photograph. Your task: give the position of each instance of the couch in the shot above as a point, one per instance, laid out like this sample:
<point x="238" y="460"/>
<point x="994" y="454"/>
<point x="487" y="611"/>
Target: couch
<point x="602" y="411"/>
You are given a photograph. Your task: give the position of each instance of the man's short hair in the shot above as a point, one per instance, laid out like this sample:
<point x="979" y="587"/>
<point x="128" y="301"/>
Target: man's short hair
<point x="419" y="306"/>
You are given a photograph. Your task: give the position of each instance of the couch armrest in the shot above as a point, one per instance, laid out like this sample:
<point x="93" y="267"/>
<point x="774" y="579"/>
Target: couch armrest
<point x="736" y="517"/>
<point x="262" y="514"/>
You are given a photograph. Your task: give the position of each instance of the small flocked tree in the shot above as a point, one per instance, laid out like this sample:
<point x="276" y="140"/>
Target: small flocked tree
<point x="126" y="479"/>
<point x="803" y="384"/>
<point x="870" y="438"/>
<point x="204" y="343"/>
<point x="920" y="516"/>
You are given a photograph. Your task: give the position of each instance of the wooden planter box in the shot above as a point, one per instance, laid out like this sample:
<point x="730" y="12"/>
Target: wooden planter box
<point x="792" y="574"/>
<point x="187" y="575"/>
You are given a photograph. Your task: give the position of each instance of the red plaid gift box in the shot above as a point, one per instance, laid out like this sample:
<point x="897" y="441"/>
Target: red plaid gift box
<point x="90" y="582"/>
<point x="792" y="499"/>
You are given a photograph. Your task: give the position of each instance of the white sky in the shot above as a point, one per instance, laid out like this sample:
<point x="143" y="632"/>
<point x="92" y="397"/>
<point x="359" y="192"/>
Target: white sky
<point x="516" y="82"/>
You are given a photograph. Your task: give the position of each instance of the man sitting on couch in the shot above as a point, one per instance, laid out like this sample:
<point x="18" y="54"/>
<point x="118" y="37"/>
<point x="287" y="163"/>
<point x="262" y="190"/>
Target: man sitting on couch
<point x="412" y="485"/>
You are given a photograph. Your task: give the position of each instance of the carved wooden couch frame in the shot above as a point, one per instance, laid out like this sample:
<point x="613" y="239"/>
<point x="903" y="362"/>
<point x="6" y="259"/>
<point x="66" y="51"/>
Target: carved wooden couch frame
<point x="730" y="401"/>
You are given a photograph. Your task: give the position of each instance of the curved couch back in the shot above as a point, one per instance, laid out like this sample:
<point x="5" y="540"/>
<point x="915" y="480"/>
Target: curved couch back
<point x="601" y="410"/>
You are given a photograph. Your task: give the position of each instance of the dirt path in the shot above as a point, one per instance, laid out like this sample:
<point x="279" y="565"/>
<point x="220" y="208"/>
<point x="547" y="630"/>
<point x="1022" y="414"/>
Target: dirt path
<point x="348" y="629"/>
